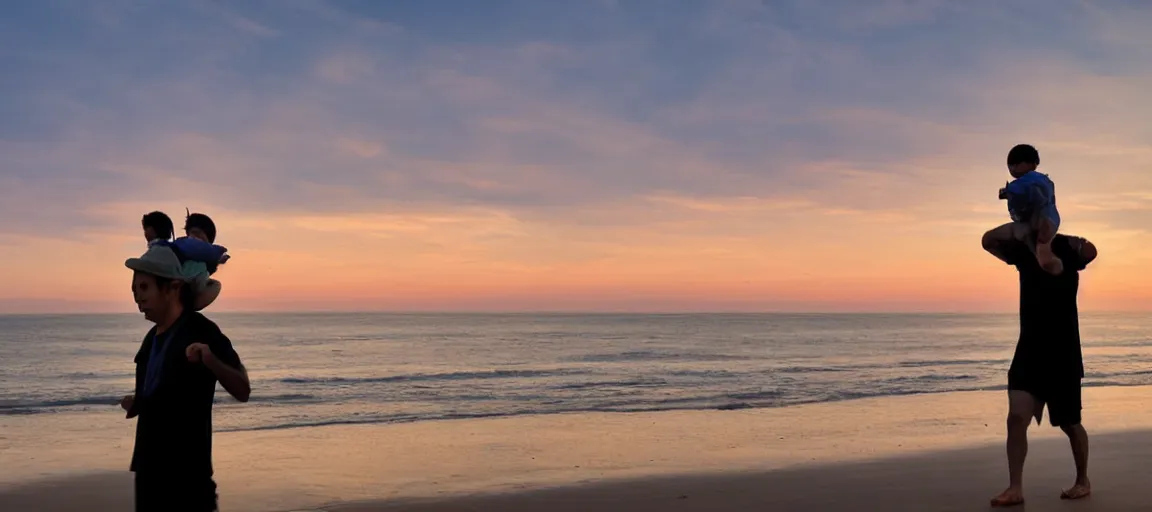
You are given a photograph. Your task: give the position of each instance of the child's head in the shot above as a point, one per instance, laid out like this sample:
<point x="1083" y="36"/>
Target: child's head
<point x="157" y="226"/>
<point x="200" y="226"/>
<point x="1023" y="159"/>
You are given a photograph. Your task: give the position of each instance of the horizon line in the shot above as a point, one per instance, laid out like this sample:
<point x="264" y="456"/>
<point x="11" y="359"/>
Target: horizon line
<point x="569" y="312"/>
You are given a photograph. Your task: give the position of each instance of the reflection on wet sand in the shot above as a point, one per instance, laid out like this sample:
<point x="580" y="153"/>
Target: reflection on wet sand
<point x="911" y="453"/>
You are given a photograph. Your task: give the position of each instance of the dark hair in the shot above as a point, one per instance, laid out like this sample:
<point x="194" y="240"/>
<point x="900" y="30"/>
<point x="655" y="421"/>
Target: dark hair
<point x="187" y="293"/>
<point x="1023" y="154"/>
<point x="160" y="223"/>
<point x="204" y="222"/>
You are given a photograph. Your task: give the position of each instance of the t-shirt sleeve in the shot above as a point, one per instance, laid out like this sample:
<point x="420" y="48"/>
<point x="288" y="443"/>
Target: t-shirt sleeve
<point x="221" y="346"/>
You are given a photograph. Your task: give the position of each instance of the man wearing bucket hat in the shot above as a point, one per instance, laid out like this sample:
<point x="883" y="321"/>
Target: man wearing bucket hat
<point x="177" y="367"/>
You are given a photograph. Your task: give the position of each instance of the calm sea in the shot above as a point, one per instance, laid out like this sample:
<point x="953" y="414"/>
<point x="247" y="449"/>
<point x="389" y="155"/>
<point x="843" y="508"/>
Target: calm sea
<point x="317" y="369"/>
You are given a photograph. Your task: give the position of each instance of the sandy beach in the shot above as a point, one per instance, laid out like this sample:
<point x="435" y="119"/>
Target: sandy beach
<point x="921" y="452"/>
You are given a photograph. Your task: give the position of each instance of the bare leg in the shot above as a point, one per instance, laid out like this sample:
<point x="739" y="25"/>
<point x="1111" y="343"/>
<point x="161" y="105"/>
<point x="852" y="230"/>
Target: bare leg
<point x="1045" y="232"/>
<point x="1048" y="260"/>
<point x="1078" y="437"/>
<point x="1021" y="408"/>
<point x="995" y="239"/>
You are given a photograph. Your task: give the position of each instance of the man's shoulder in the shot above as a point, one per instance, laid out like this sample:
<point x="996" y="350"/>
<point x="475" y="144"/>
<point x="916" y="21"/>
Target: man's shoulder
<point x="1062" y="246"/>
<point x="199" y="324"/>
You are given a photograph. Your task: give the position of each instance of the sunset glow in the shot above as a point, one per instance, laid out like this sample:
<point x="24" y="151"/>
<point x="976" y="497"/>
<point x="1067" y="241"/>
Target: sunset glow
<point x="575" y="156"/>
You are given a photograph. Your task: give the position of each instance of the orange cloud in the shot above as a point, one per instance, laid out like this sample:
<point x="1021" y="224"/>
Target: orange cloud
<point x="756" y="254"/>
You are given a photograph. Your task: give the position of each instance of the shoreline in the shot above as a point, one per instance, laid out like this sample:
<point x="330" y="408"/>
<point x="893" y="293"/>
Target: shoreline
<point x="739" y="406"/>
<point x="99" y="406"/>
<point x="302" y="468"/>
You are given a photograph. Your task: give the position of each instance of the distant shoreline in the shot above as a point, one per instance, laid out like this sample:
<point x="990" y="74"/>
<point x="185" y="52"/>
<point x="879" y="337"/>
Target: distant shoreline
<point x="580" y="313"/>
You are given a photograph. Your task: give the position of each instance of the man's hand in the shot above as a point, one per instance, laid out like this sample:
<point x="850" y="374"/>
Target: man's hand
<point x="127" y="401"/>
<point x="1086" y="249"/>
<point x="200" y="353"/>
<point x="234" y="380"/>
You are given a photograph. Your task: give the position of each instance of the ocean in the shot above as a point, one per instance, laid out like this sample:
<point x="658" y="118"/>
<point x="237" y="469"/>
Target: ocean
<point x="320" y="369"/>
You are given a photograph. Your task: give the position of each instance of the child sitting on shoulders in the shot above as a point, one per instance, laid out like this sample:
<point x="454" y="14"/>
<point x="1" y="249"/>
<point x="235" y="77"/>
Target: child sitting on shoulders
<point x="1031" y="200"/>
<point x="197" y="251"/>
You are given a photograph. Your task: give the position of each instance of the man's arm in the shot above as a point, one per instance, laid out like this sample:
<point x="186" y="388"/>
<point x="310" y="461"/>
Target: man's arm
<point x="1088" y="251"/>
<point x="234" y="379"/>
<point x="1084" y="252"/>
<point x="221" y="359"/>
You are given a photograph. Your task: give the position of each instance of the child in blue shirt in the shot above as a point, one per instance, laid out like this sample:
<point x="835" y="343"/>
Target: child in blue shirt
<point x="1031" y="200"/>
<point x="197" y="251"/>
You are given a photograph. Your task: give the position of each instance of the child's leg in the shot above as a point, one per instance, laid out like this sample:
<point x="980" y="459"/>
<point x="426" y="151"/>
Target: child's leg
<point x="1006" y="233"/>
<point x="995" y="239"/>
<point x="1045" y="231"/>
<point x="207" y="294"/>
<point x="1010" y="232"/>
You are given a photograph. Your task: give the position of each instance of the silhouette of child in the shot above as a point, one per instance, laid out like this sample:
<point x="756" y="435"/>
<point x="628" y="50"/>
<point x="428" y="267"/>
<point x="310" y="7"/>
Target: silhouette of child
<point x="198" y="253"/>
<point x="1031" y="200"/>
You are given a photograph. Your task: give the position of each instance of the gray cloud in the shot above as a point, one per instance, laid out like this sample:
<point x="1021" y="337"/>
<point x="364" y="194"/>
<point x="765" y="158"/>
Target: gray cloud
<point x="332" y="110"/>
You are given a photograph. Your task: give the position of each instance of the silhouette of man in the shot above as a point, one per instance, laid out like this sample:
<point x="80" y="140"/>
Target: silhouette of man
<point x="179" y="363"/>
<point x="1048" y="366"/>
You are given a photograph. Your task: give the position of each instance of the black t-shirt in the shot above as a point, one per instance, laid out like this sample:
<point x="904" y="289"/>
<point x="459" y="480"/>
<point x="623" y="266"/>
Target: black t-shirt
<point x="1049" y="345"/>
<point x="174" y="428"/>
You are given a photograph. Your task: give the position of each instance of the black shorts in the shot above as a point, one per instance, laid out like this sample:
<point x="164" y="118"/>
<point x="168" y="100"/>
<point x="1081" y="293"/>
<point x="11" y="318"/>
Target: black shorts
<point x="169" y="493"/>
<point x="1061" y="398"/>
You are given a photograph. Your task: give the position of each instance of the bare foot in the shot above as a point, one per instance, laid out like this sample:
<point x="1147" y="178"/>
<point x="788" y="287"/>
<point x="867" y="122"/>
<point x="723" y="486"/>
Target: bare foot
<point x="1077" y="491"/>
<point x="1009" y="498"/>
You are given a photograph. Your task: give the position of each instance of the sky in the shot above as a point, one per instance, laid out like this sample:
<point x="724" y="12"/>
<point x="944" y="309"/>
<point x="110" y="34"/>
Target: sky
<point x="585" y="155"/>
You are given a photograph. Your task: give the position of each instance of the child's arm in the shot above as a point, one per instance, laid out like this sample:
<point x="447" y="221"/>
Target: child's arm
<point x="1025" y="197"/>
<point x="199" y="250"/>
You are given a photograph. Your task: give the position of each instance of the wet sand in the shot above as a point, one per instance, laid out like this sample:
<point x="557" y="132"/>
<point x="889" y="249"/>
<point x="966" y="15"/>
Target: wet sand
<point x="961" y="480"/>
<point x="926" y="452"/>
